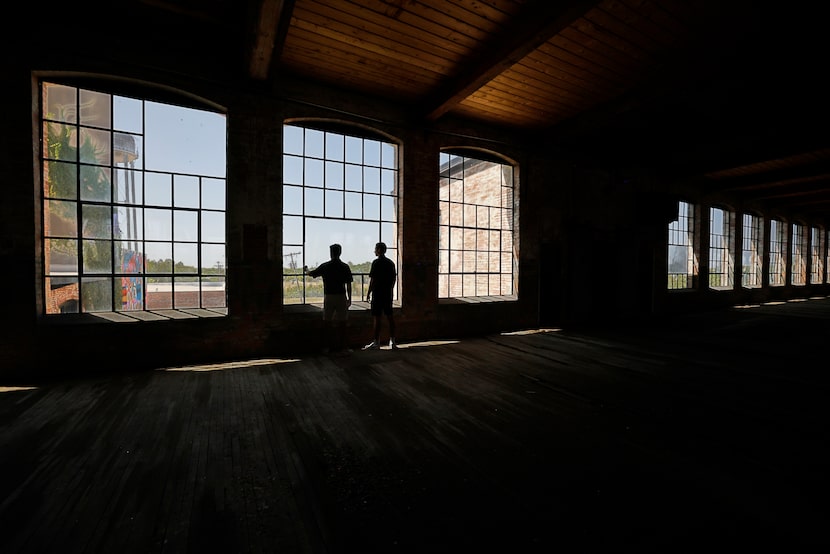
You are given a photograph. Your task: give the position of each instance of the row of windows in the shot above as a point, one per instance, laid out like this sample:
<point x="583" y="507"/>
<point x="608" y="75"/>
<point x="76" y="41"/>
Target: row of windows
<point x="134" y="201"/>
<point x="793" y="251"/>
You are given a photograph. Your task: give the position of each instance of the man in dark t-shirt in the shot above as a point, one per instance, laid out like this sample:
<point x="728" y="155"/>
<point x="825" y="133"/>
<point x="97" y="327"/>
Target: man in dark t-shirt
<point x="382" y="278"/>
<point x="337" y="296"/>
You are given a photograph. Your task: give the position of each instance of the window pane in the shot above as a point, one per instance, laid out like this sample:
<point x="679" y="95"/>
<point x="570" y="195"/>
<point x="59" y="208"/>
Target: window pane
<point x="158" y="224"/>
<point x="96" y="294"/>
<point x="127" y="114"/>
<point x="158" y="189"/>
<point x="60" y="103"/>
<point x="313" y="144"/>
<point x="97" y="255"/>
<point x="335" y="146"/>
<point x="129" y="187"/>
<point x="97" y="221"/>
<point x="213" y="194"/>
<point x="213" y="226"/>
<point x="159" y="256"/>
<point x="127" y="222"/>
<point x="60" y="180"/>
<point x="61" y="256"/>
<point x="185" y="225"/>
<point x="129" y="294"/>
<point x="96" y="184"/>
<point x="60" y="142"/>
<point x="185" y="257"/>
<point x="313" y="173"/>
<point x="61" y="218"/>
<point x="213" y="259"/>
<point x="292" y="140"/>
<point x="334" y="204"/>
<point x="186" y="191"/>
<point x="95" y="146"/>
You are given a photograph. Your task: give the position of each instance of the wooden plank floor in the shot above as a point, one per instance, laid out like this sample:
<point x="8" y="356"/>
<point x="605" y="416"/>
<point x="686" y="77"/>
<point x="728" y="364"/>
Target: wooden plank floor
<point x="692" y="434"/>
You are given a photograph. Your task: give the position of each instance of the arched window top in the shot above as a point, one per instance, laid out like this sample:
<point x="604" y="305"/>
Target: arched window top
<point x="478" y="154"/>
<point x="341" y="127"/>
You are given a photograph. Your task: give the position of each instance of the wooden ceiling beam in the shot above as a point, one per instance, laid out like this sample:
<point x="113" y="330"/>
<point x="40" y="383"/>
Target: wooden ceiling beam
<point x="270" y="28"/>
<point x="538" y="23"/>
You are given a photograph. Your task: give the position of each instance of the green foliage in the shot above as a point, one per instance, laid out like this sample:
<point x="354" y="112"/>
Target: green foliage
<point x="95" y="183"/>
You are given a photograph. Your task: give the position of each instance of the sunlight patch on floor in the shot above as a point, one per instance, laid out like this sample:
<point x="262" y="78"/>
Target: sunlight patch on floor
<point x="424" y="343"/>
<point x="15" y="389"/>
<point x="232" y="365"/>
<point x="530" y="332"/>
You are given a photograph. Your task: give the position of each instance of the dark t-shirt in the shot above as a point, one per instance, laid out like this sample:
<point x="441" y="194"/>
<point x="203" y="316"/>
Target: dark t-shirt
<point x="336" y="274"/>
<point x="383" y="274"/>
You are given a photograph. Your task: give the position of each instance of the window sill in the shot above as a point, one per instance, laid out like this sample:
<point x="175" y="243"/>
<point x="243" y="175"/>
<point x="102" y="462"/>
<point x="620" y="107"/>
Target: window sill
<point x="317" y="307"/>
<point x="133" y="317"/>
<point x="478" y="299"/>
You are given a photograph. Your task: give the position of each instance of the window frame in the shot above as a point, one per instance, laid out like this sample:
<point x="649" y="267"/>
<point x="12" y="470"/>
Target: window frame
<point x="778" y="251"/>
<point x="682" y="235"/>
<point x="93" y="206"/>
<point x="818" y="248"/>
<point x="799" y="253"/>
<point x="721" y="262"/>
<point x="317" y="153"/>
<point x="468" y="216"/>
<point x="752" y="251"/>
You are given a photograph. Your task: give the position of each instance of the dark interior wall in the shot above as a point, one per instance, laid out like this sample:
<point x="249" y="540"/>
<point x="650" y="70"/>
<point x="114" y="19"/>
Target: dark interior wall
<point x="257" y="324"/>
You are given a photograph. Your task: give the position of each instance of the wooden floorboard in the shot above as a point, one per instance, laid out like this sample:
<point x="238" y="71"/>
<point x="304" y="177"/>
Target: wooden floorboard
<point x="684" y="435"/>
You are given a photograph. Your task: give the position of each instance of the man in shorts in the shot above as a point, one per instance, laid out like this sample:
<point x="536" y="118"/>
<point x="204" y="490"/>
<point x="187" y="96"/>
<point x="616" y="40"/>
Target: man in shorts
<point x="337" y="297"/>
<point x="382" y="278"/>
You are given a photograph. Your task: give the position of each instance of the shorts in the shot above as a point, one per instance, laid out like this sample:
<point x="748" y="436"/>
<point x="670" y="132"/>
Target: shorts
<point x="335" y="307"/>
<point x="381" y="305"/>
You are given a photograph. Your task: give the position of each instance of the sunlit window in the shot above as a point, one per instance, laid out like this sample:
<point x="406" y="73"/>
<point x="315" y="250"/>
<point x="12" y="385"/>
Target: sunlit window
<point x="476" y="234"/>
<point x="799" y="251"/>
<point x="777" y="253"/>
<point x="721" y="264"/>
<point x="337" y="188"/>
<point x="817" y="247"/>
<point x="682" y="262"/>
<point x="133" y="203"/>
<point x="752" y="251"/>
<point x="826" y="236"/>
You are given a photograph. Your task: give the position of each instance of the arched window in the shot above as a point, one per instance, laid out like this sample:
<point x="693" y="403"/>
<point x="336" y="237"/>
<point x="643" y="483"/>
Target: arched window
<point x="799" y="251"/>
<point x="752" y="251"/>
<point x="476" y="226"/>
<point x="817" y="248"/>
<point x="133" y="203"/>
<point x="777" y="252"/>
<point x="340" y="185"/>
<point x="682" y="261"/>
<point x="721" y="248"/>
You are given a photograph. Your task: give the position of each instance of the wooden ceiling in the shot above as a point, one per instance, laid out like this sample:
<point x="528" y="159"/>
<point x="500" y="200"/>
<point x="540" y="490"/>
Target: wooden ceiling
<point x="727" y="92"/>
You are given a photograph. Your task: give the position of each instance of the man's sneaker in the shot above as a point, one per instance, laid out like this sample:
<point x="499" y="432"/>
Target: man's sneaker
<point x="372" y="346"/>
<point x="392" y="344"/>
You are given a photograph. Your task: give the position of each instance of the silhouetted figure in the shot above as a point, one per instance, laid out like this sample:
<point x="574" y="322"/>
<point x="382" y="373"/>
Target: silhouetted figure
<point x="337" y="297"/>
<point x="382" y="278"/>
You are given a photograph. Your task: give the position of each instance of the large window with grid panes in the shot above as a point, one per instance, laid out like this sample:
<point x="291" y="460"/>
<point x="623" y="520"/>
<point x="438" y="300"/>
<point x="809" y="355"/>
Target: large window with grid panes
<point x="682" y="258"/>
<point x="340" y="186"/>
<point x="721" y="243"/>
<point x="752" y="251"/>
<point x="477" y="242"/>
<point x="777" y="252"/>
<point x="799" y="253"/>
<point x="826" y="236"/>
<point x="132" y="204"/>
<point x="817" y="248"/>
